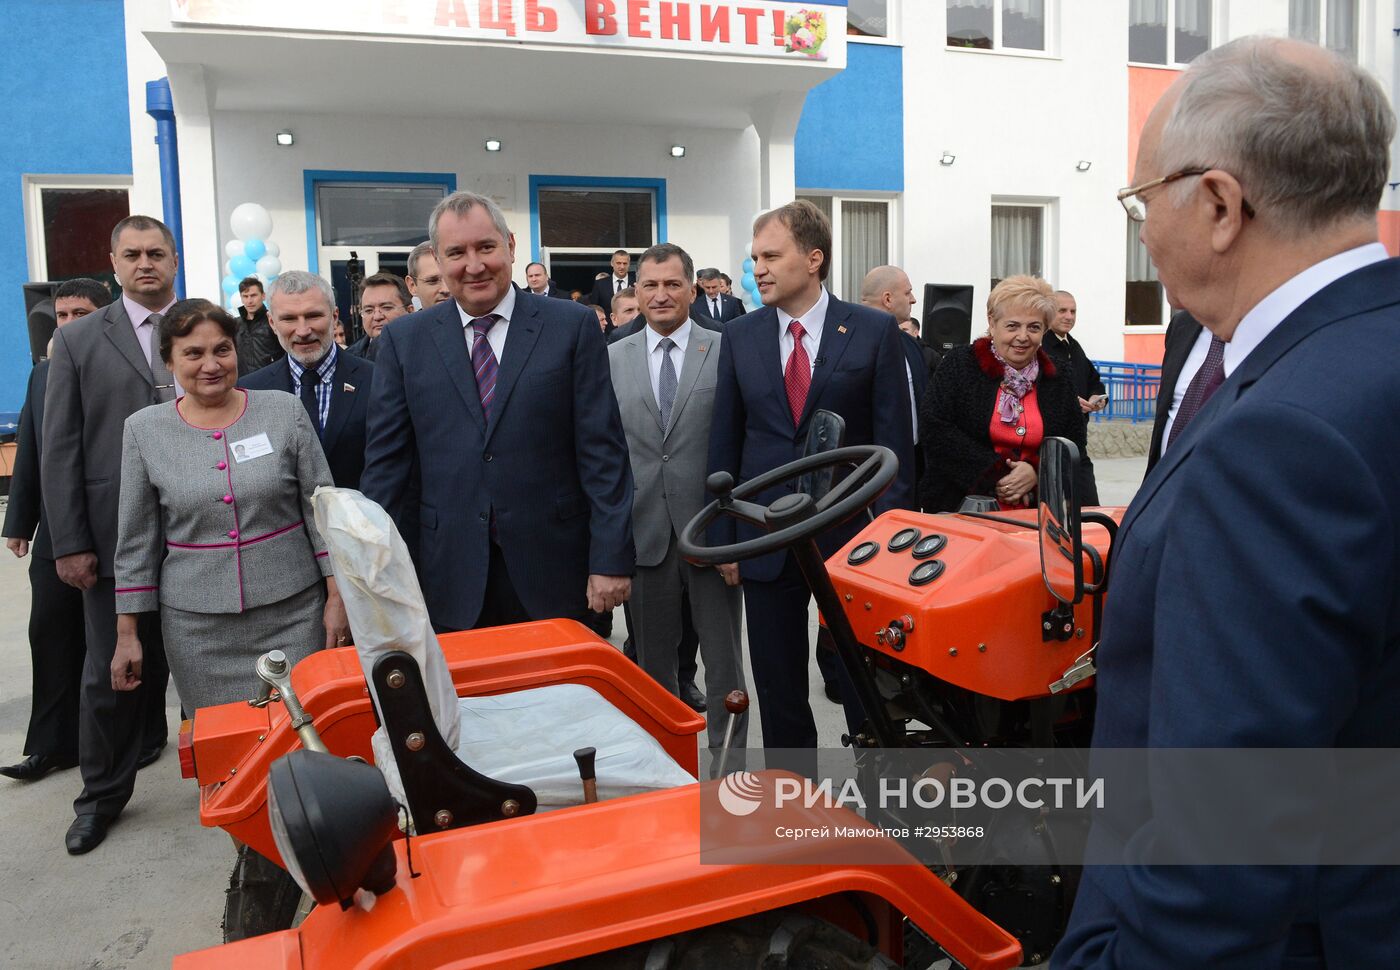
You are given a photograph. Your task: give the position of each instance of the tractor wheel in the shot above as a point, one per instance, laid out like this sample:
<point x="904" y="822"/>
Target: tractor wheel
<point x="262" y="898"/>
<point x="774" y="940"/>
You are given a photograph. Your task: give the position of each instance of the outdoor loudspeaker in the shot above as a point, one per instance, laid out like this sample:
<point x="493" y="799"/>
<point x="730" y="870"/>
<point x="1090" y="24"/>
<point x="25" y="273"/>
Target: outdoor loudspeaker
<point x="947" y="320"/>
<point x="38" y="310"/>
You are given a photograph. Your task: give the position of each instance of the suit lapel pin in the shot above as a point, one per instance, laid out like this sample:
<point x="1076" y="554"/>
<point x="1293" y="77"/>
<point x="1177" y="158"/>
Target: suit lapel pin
<point x="704" y="347"/>
<point x="348" y="388"/>
<point x="840" y="329"/>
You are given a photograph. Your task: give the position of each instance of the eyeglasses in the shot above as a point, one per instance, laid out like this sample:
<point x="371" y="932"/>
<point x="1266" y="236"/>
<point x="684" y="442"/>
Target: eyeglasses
<point x="1133" y="204"/>
<point x="381" y="309"/>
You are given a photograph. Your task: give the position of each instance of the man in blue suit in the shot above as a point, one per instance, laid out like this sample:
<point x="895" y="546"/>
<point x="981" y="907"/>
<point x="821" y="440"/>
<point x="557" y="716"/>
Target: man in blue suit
<point x="803" y="351"/>
<point x="333" y="384"/>
<point x="505" y="399"/>
<point x="1253" y="600"/>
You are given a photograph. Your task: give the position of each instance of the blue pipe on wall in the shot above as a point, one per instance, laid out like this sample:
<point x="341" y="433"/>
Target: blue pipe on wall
<point x="161" y="106"/>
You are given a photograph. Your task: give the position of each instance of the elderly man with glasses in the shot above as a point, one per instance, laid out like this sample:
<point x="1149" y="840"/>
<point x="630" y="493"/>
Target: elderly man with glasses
<point x="1254" y="598"/>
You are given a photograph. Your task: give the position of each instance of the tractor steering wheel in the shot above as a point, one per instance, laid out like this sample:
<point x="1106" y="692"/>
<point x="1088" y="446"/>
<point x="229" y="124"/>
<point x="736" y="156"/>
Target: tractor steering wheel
<point x="791" y="518"/>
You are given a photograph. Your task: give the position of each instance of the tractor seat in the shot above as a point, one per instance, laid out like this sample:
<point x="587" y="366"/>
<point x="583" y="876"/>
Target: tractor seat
<point x="517" y="746"/>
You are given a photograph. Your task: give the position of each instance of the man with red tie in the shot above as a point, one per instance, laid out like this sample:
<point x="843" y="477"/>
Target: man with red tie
<point x="802" y="351"/>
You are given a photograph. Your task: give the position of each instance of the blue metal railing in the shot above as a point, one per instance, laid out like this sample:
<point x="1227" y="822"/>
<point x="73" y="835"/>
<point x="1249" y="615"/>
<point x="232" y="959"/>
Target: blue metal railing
<point x="1132" y="390"/>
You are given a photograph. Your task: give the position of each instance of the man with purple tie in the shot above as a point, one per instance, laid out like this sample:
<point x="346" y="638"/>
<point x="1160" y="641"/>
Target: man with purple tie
<point x="505" y="400"/>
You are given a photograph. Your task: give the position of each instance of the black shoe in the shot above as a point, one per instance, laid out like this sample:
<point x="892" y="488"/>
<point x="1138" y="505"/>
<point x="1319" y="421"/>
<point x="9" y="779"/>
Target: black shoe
<point x="693" y="698"/>
<point x="36" y="766"/>
<point x="149" y="756"/>
<point x="833" y="691"/>
<point x="86" y="833"/>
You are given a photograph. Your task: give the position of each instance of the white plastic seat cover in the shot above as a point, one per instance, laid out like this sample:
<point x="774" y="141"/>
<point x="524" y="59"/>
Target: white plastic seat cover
<point x="525" y="737"/>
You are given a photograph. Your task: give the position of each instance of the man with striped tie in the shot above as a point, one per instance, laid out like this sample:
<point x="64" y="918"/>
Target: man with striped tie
<point x="505" y="400"/>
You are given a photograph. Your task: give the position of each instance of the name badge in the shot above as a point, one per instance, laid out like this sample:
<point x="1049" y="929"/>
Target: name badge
<point x="250" y="448"/>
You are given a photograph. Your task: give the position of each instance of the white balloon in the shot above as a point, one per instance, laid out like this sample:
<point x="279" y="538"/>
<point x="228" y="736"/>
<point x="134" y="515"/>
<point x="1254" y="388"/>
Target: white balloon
<point x="273" y="249"/>
<point x="251" y="221"/>
<point x="232" y="248"/>
<point x="228" y="267"/>
<point x="269" y="266"/>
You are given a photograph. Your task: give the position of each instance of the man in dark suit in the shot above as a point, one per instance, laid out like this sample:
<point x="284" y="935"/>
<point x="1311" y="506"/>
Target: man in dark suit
<point x="1185" y="351"/>
<point x="104" y="368"/>
<point x="714" y="302"/>
<point x="383" y="299"/>
<point x="619" y="279"/>
<point x="336" y="393"/>
<point x="887" y="288"/>
<point x="537" y="281"/>
<point x="1069" y="357"/>
<point x="57" y="645"/>
<point x="505" y="399"/>
<point x="803" y="351"/>
<point x="1256" y="571"/>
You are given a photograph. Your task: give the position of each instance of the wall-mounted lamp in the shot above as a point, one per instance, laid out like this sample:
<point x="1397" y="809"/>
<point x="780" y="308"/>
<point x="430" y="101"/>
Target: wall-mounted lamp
<point x="678" y="151"/>
<point x="1082" y="166"/>
<point x="493" y="144"/>
<point x="948" y="159"/>
<point x="285" y="139"/>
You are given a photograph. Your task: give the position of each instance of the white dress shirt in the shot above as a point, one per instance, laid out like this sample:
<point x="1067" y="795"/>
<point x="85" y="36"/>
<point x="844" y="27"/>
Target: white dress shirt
<point x="1267" y="314"/>
<point x="812" y="322"/>
<point x="681" y="338"/>
<point x="496" y="336"/>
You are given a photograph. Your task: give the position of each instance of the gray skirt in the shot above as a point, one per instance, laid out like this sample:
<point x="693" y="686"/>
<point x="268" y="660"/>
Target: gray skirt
<point x="212" y="655"/>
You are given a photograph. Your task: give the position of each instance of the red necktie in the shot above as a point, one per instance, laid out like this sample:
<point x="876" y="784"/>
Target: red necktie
<point x="797" y="378"/>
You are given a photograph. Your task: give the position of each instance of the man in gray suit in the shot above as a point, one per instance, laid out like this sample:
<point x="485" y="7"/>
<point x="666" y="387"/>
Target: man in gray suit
<point x="105" y="367"/>
<point x="664" y="379"/>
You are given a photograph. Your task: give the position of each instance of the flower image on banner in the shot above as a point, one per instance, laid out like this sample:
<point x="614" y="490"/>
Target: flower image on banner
<point x="806" y="32"/>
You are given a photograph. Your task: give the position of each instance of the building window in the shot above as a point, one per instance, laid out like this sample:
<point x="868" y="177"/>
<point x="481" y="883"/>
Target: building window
<point x="1143" y="296"/>
<point x="1018" y="241"/>
<point x="1331" y="23"/>
<point x="1168" y="31"/>
<point x="997" y="24"/>
<point x="70" y="220"/>
<point x="359" y="214"/>
<point x="869" y="18"/>
<point x="862" y="235"/>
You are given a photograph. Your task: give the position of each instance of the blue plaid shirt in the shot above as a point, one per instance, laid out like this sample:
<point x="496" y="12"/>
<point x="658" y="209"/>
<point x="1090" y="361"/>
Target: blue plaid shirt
<point x="325" y="370"/>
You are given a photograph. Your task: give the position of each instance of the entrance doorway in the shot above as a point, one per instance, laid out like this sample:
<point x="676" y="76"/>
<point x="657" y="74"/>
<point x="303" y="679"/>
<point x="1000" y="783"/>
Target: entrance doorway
<point x="367" y="223"/>
<point x="580" y="222"/>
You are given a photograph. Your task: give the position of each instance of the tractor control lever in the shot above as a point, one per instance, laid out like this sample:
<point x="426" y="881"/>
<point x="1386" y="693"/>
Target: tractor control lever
<point x="736" y="702"/>
<point x="585" y="758"/>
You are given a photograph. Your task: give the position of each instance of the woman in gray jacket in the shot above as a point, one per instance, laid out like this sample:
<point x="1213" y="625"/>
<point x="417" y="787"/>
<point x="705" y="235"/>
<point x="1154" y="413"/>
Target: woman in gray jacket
<point x="215" y="528"/>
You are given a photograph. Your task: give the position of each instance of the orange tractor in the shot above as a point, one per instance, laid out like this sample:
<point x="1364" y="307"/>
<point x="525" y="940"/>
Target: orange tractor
<point x="958" y="631"/>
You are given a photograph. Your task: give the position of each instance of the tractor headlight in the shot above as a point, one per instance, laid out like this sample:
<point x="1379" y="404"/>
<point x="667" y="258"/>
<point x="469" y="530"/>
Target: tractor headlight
<point x="333" y="821"/>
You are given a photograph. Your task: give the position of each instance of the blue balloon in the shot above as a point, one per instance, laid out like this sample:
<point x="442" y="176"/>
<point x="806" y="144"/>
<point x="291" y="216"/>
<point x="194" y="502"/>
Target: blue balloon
<point x="230" y="285"/>
<point x="254" y="249"/>
<point x="242" y="266"/>
<point x="749" y="283"/>
<point x="748" y="266"/>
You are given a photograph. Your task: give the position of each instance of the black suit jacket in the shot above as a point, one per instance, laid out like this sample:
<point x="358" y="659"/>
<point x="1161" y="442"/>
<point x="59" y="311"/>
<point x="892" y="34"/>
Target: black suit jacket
<point x="364" y="348"/>
<point x="1072" y="361"/>
<point x="729" y="307"/>
<point x="343" y="440"/>
<point x="603" y="292"/>
<point x="1181" y="336"/>
<point x="858" y="373"/>
<point x="24" y="518"/>
<point x="551" y="466"/>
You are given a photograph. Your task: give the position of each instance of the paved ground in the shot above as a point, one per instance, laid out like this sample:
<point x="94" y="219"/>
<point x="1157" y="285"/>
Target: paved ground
<point x="155" y="888"/>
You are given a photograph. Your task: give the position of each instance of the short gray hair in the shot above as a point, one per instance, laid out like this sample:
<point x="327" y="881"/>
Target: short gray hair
<point x="459" y="204"/>
<point x="416" y="255"/>
<point x="295" y="281"/>
<point x="709" y="273"/>
<point x="1309" y="144"/>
